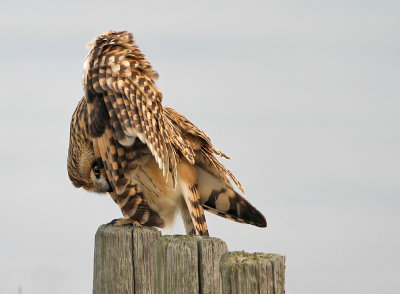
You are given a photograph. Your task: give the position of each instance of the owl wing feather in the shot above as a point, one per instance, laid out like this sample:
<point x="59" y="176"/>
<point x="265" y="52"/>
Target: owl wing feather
<point x="118" y="165"/>
<point x="118" y="78"/>
<point x="124" y="104"/>
<point x="196" y="146"/>
<point x="214" y="190"/>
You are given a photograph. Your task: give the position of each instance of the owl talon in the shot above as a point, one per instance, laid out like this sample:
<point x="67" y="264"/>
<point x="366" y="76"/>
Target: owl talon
<point x="112" y="222"/>
<point x="124" y="221"/>
<point x="135" y="224"/>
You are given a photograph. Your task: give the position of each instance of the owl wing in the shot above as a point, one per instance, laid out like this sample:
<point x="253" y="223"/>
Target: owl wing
<point x="118" y="165"/>
<point x="214" y="190"/>
<point x="124" y="101"/>
<point x="196" y="146"/>
<point x="124" y="104"/>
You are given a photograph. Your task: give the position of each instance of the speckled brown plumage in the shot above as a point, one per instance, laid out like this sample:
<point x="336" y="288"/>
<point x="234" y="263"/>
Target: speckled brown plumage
<point x="151" y="159"/>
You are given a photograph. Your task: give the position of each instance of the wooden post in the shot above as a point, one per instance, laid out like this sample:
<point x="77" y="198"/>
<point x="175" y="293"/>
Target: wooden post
<point x="188" y="264"/>
<point x="252" y="273"/>
<point x="135" y="260"/>
<point x="124" y="260"/>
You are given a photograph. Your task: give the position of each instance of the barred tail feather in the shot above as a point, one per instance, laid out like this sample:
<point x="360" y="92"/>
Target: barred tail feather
<point x="222" y="200"/>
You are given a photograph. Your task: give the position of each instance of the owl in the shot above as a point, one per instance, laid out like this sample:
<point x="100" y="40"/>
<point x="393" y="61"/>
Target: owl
<point x="151" y="159"/>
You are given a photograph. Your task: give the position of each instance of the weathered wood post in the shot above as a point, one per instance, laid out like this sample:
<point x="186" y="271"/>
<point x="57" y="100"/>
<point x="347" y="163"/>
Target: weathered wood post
<point x="188" y="263"/>
<point x="135" y="260"/>
<point x="252" y="273"/>
<point x="124" y="260"/>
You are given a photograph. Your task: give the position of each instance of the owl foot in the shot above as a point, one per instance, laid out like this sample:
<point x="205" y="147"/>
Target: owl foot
<point x="112" y="222"/>
<point x="124" y="221"/>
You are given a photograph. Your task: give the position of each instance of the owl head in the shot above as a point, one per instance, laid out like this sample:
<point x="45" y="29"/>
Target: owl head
<point x="84" y="169"/>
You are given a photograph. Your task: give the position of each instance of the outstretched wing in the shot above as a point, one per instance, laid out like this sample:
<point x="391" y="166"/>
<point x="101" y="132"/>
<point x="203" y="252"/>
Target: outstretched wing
<point x="213" y="191"/>
<point x="125" y="119"/>
<point x="196" y="146"/>
<point x="124" y="104"/>
<point x="120" y="163"/>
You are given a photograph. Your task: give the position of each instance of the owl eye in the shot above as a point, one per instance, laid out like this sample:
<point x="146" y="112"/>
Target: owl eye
<point x="96" y="170"/>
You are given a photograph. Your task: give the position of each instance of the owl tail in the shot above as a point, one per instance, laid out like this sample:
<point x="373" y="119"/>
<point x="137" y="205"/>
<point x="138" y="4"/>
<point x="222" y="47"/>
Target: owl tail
<point x="218" y="198"/>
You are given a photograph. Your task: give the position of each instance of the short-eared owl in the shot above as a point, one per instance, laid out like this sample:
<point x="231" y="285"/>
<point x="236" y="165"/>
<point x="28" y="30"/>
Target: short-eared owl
<point x="150" y="158"/>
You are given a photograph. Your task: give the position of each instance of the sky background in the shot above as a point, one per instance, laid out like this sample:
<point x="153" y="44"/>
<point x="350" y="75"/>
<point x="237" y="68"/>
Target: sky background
<point x="303" y="95"/>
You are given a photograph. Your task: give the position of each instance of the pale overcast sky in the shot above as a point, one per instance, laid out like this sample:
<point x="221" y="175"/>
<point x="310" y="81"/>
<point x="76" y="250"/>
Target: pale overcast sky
<point x="303" y="95"/>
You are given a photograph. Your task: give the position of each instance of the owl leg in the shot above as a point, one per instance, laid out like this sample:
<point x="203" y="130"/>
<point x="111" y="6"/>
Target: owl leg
<point x="187" y="180"/>
<point x="187" y="219"/>
<point x="135" y="208"/>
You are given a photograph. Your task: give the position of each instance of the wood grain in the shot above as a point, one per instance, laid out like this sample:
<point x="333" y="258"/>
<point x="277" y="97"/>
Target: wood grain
<point x="176" y="260"/>
<point x="188" y="264"/>
<point x="113" y="265"/>
<point x="143" y="258"/>
<point x="124" y="260"/>
<point x="252" y="273"/>
<point x="136" y="260"/>
<point x="210" y="253"/>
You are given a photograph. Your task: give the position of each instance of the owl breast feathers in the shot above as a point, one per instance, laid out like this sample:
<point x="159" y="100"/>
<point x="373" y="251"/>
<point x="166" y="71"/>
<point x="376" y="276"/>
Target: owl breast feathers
<point x="150" y="158"/>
